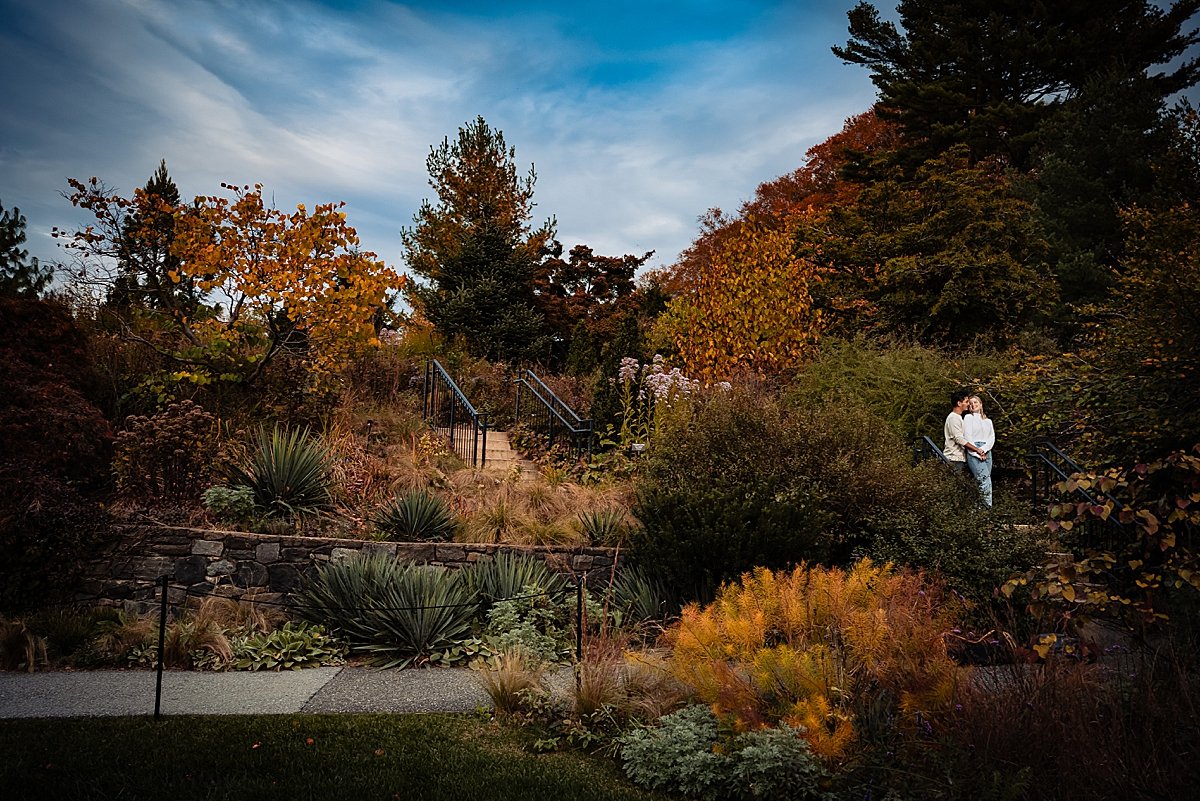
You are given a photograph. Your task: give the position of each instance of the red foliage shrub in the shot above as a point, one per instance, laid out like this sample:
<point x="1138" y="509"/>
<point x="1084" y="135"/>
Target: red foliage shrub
<point x="55" y="447"/>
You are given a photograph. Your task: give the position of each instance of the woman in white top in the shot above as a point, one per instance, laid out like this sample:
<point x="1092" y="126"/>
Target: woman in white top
<point x="978" y="428"/>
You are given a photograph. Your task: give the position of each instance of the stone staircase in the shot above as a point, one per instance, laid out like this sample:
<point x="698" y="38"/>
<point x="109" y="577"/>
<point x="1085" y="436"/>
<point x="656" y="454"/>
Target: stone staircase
<point x="502" y="458"/>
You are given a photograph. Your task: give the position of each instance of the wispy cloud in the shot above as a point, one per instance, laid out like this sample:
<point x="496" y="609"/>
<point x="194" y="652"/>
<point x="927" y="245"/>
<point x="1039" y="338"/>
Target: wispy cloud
<point x="637" y="120"/>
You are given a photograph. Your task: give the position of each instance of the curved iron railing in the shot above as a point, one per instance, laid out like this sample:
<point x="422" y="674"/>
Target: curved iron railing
<point x="546" y="414"/>
<point x="449" y="413"/>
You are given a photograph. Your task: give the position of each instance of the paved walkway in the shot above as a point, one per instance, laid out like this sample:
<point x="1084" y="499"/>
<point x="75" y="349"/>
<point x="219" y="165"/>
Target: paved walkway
<point x="315" y="690"/>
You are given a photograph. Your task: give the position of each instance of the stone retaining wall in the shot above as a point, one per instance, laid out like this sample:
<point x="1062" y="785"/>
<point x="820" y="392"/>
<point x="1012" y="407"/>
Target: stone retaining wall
<point x="268" y="567"/>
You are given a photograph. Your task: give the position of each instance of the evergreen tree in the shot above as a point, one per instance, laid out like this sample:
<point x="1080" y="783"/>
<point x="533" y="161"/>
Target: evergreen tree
<point x="477" y="249"/>
<point x="987" y="73"/>
<point x="1068" y="95"/>
<point x="1094" y="156"/>
<point x="148" y="271"/>
<point x="19" y="276"/>
<point x="953" y="255"/>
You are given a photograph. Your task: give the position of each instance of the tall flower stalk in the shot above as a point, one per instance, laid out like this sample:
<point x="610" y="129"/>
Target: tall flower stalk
<point x="650" y="393"/>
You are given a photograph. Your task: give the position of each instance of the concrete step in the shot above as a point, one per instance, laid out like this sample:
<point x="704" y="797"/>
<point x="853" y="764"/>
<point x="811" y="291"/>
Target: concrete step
<point x="501" y="456"/>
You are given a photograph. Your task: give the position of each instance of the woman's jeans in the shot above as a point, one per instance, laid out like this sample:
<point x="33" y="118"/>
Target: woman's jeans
<point x="982" y="470"/>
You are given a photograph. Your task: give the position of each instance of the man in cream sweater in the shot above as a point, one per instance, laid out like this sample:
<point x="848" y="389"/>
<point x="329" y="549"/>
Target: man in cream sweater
<point x="957" y="444"/>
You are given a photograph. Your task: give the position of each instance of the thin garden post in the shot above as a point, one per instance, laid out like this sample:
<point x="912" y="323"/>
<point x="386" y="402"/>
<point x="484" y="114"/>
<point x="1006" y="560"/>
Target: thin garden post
<point x="579" y="617"/>
<point x="162" y="639"/>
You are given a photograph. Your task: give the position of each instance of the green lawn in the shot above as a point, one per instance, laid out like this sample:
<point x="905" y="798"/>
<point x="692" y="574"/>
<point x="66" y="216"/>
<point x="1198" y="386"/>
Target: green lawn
<point x="325" y="757"/>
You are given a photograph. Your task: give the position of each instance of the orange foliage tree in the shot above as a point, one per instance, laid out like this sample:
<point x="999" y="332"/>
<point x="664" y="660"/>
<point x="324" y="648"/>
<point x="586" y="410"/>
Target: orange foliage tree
<point x="742" y="299"/>
<point x="275" y="280"/>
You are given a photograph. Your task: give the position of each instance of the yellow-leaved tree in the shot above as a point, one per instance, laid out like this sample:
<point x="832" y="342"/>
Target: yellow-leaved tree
<point x="742" y="299"/>
<point x="749" y="310"/>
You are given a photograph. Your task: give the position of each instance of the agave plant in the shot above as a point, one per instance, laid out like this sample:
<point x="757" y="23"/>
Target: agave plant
<point x="288" y="472"/>
<point x="416" y="516"/>
<point x="399" y="614"/>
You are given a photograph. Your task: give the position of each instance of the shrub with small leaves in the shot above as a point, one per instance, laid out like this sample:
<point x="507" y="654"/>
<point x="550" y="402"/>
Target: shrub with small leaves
<point x="690" y="752"/>
<point x="538" y="622"/>
<point x="167" y="456"/>
<point x="235" y="504"/>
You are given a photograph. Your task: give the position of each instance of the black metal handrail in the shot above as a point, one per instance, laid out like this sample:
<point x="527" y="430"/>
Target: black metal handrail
<point x="547" y="415"/>
<point x="448" y="412"/>
<point x="924" y="448"/>
<point x="1049" y="467"/>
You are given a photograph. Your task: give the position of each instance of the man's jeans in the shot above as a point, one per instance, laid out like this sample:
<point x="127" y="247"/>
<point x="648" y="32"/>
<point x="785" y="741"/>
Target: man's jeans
<point x="982" y="470"/>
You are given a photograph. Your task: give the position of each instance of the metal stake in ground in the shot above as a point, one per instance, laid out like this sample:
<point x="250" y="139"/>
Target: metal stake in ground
<point x="579" y="617"/>
<point x="162" y="638"/>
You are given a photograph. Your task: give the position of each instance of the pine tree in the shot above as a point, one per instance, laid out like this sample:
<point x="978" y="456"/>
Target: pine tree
<point x="477" y="249"/>
<point x="987" y="73"/>
<point x="19" y="276"/>
<point x="146" y="262"/>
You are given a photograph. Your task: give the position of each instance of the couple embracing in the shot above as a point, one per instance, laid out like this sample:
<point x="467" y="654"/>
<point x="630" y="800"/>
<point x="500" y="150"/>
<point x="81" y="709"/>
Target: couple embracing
<point x="970" y="437"/>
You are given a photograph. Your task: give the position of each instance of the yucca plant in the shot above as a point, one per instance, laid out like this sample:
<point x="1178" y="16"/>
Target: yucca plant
<point x="639" y="597"/>
<point x="507" y="574"/>
<point x="605" y="526"/>
<point x="416" y="516"/>
<point x="399" y="614"/>
<point x="288" y="472"/>
<point x="338" y="596"/>
<point x="429" y="609"/>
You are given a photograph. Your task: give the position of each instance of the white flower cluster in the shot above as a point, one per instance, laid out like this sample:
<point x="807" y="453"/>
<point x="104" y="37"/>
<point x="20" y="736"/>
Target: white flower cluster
<point x="630" y="367"/>
<point x="666" y="386"/>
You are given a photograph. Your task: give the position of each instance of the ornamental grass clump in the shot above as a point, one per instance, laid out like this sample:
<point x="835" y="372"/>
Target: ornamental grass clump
<point x="20" y="648"/>
<point x="511" y="681"/>
<point x="823" y="650"/>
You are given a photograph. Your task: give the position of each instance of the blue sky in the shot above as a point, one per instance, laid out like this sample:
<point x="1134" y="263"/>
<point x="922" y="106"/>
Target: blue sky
<point x="638" y="116"/>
